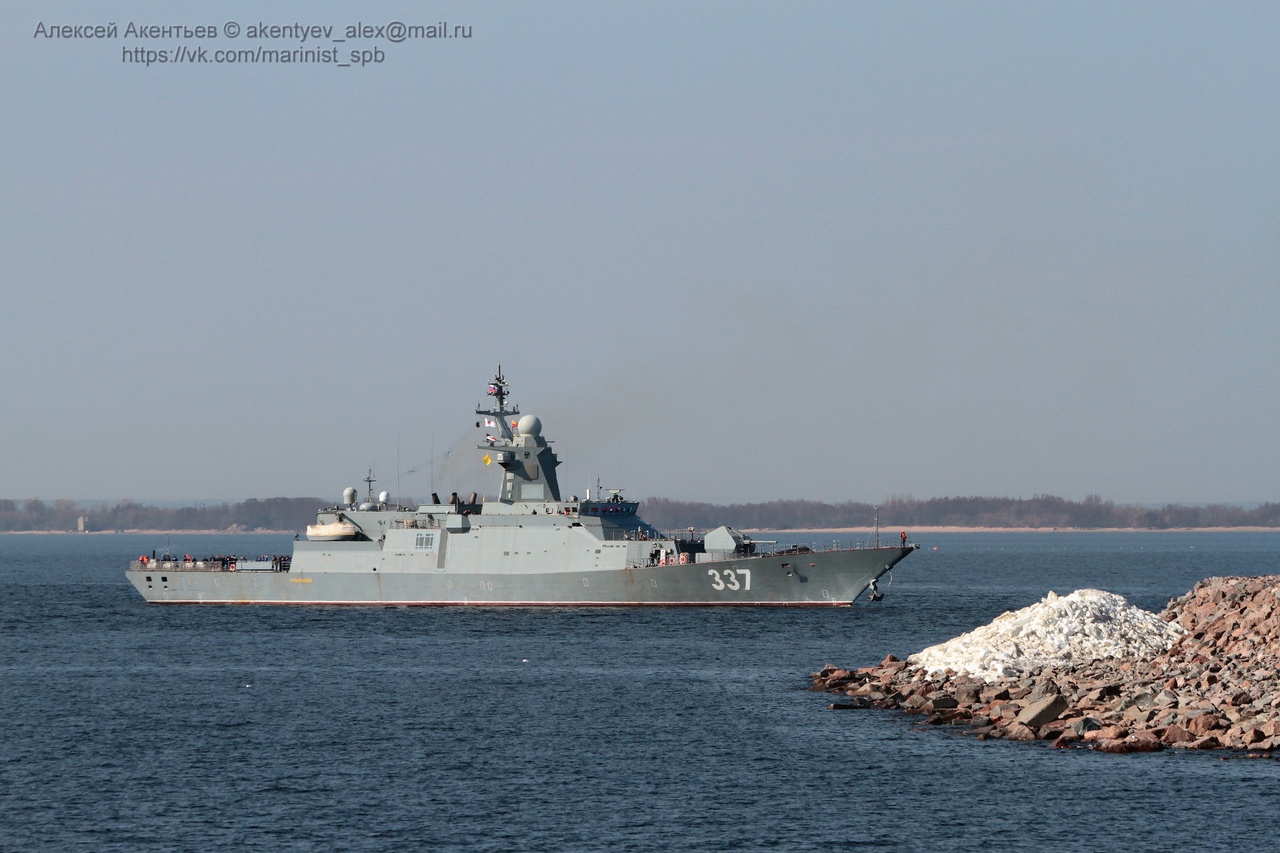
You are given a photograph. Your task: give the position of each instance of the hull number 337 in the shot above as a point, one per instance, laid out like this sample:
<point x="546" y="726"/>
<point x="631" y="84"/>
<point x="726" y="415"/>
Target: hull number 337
<point x="733" y="579"/>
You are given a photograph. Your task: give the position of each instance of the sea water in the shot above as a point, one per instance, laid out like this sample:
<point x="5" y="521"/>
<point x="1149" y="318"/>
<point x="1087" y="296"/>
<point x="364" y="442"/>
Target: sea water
<point x="127" y="726"/>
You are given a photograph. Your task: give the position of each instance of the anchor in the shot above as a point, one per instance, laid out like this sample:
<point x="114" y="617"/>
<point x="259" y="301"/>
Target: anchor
<point x="876" y="594"/>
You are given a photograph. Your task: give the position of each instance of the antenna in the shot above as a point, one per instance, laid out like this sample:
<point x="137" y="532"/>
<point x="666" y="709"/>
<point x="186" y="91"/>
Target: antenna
<point x="370" y="480"/>
<point x="877" y="527"/>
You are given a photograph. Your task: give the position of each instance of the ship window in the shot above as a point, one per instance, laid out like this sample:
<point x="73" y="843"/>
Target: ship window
<point x="164" y="580"/>
<point x="148" y="578"/>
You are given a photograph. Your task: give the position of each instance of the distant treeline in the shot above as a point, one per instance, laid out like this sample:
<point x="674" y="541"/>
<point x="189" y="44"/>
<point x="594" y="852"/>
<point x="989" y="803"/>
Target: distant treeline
<point x="270" y="514"/>
<point x="1038" y="511"/>
<point x="666" y="514"/>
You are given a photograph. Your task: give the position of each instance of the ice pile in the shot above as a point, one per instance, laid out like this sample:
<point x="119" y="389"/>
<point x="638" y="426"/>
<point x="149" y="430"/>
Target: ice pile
<point x="1086" y="625"/>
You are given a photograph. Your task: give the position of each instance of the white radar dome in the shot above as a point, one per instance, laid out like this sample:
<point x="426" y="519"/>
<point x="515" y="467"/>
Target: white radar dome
<point x="530" y="425"/>
<point x="348" y="495"/>
<point x="383" y="497"/>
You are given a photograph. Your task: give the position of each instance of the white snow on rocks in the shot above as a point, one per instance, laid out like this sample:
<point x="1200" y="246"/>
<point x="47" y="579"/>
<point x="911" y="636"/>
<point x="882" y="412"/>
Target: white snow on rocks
<point x="1086" y="625"/>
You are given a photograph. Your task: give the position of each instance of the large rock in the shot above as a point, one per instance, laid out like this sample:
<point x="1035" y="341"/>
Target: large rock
<point x="1203" y="724"/>
<point x="1018" y="731"/>
<point x="1042" y="711"/>
<point x="1106" y="733"/>
<point x="942" y="703"/>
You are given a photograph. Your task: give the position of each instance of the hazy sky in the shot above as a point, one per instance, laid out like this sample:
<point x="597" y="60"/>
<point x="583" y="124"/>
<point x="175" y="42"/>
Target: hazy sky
<point x="726" y="252"/>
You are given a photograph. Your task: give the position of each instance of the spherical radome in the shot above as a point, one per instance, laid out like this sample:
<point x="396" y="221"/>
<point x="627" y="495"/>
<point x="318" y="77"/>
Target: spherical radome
<point x="530" y="425"/>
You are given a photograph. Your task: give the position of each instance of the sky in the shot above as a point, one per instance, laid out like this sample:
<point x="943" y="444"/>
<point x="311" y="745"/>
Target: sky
<point x="726" y="252"/>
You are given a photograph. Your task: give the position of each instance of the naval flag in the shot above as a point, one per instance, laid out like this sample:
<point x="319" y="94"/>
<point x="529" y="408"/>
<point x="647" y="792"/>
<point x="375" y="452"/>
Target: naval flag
<point x="490" y="422"/>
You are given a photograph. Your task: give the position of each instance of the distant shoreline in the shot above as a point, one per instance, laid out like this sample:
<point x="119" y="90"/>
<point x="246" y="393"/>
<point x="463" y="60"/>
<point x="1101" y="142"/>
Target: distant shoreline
<point x="147" y="532"/>
<point x="887" y="534"/>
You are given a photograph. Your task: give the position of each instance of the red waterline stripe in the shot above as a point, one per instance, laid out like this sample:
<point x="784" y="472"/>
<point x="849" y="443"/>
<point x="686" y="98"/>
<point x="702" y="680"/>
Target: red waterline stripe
<point x="522" y="603"/>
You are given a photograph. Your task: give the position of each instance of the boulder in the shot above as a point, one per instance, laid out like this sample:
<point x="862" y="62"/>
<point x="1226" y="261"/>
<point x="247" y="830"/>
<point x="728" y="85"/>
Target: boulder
<point x="1087" y="724"/>
<point x="1107" y="733"/>
<point x="1042" y="711"/>
<point x="1110" y="745"/>
<point x="1203" y="724"/>
<point x="1048" y="687"/>
<point x="1019" y="731"/>
<point x="1066" y="739"/>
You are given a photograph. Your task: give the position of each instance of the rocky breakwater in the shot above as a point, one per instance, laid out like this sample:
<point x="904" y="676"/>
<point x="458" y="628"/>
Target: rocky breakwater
<point x="1088" y="669"/>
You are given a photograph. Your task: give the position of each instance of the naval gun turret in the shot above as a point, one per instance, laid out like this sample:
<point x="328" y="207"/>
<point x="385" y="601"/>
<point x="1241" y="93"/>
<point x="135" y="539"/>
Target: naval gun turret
<point x="527" y="460"/>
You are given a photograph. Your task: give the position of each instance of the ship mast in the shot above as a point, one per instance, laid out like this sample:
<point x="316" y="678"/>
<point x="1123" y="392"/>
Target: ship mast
<point x="498" y="388"/>
<point x="500" y="414"/>
<point x="528" y="463"/>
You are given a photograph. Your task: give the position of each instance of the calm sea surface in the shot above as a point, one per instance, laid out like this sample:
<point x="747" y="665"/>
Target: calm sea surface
<point x="126" y="726"/>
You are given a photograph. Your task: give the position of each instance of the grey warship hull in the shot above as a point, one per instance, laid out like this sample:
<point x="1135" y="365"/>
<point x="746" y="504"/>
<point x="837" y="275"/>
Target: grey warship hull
<point x="375" y="576"/>
<point x="527" y="547"/>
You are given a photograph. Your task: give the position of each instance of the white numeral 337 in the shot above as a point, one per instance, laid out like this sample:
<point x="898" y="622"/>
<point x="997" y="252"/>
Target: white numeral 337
<point x="729" y="579"/>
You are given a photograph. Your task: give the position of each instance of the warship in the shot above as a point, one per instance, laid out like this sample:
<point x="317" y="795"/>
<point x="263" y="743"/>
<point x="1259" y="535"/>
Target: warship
<point x="528" y="547"/>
